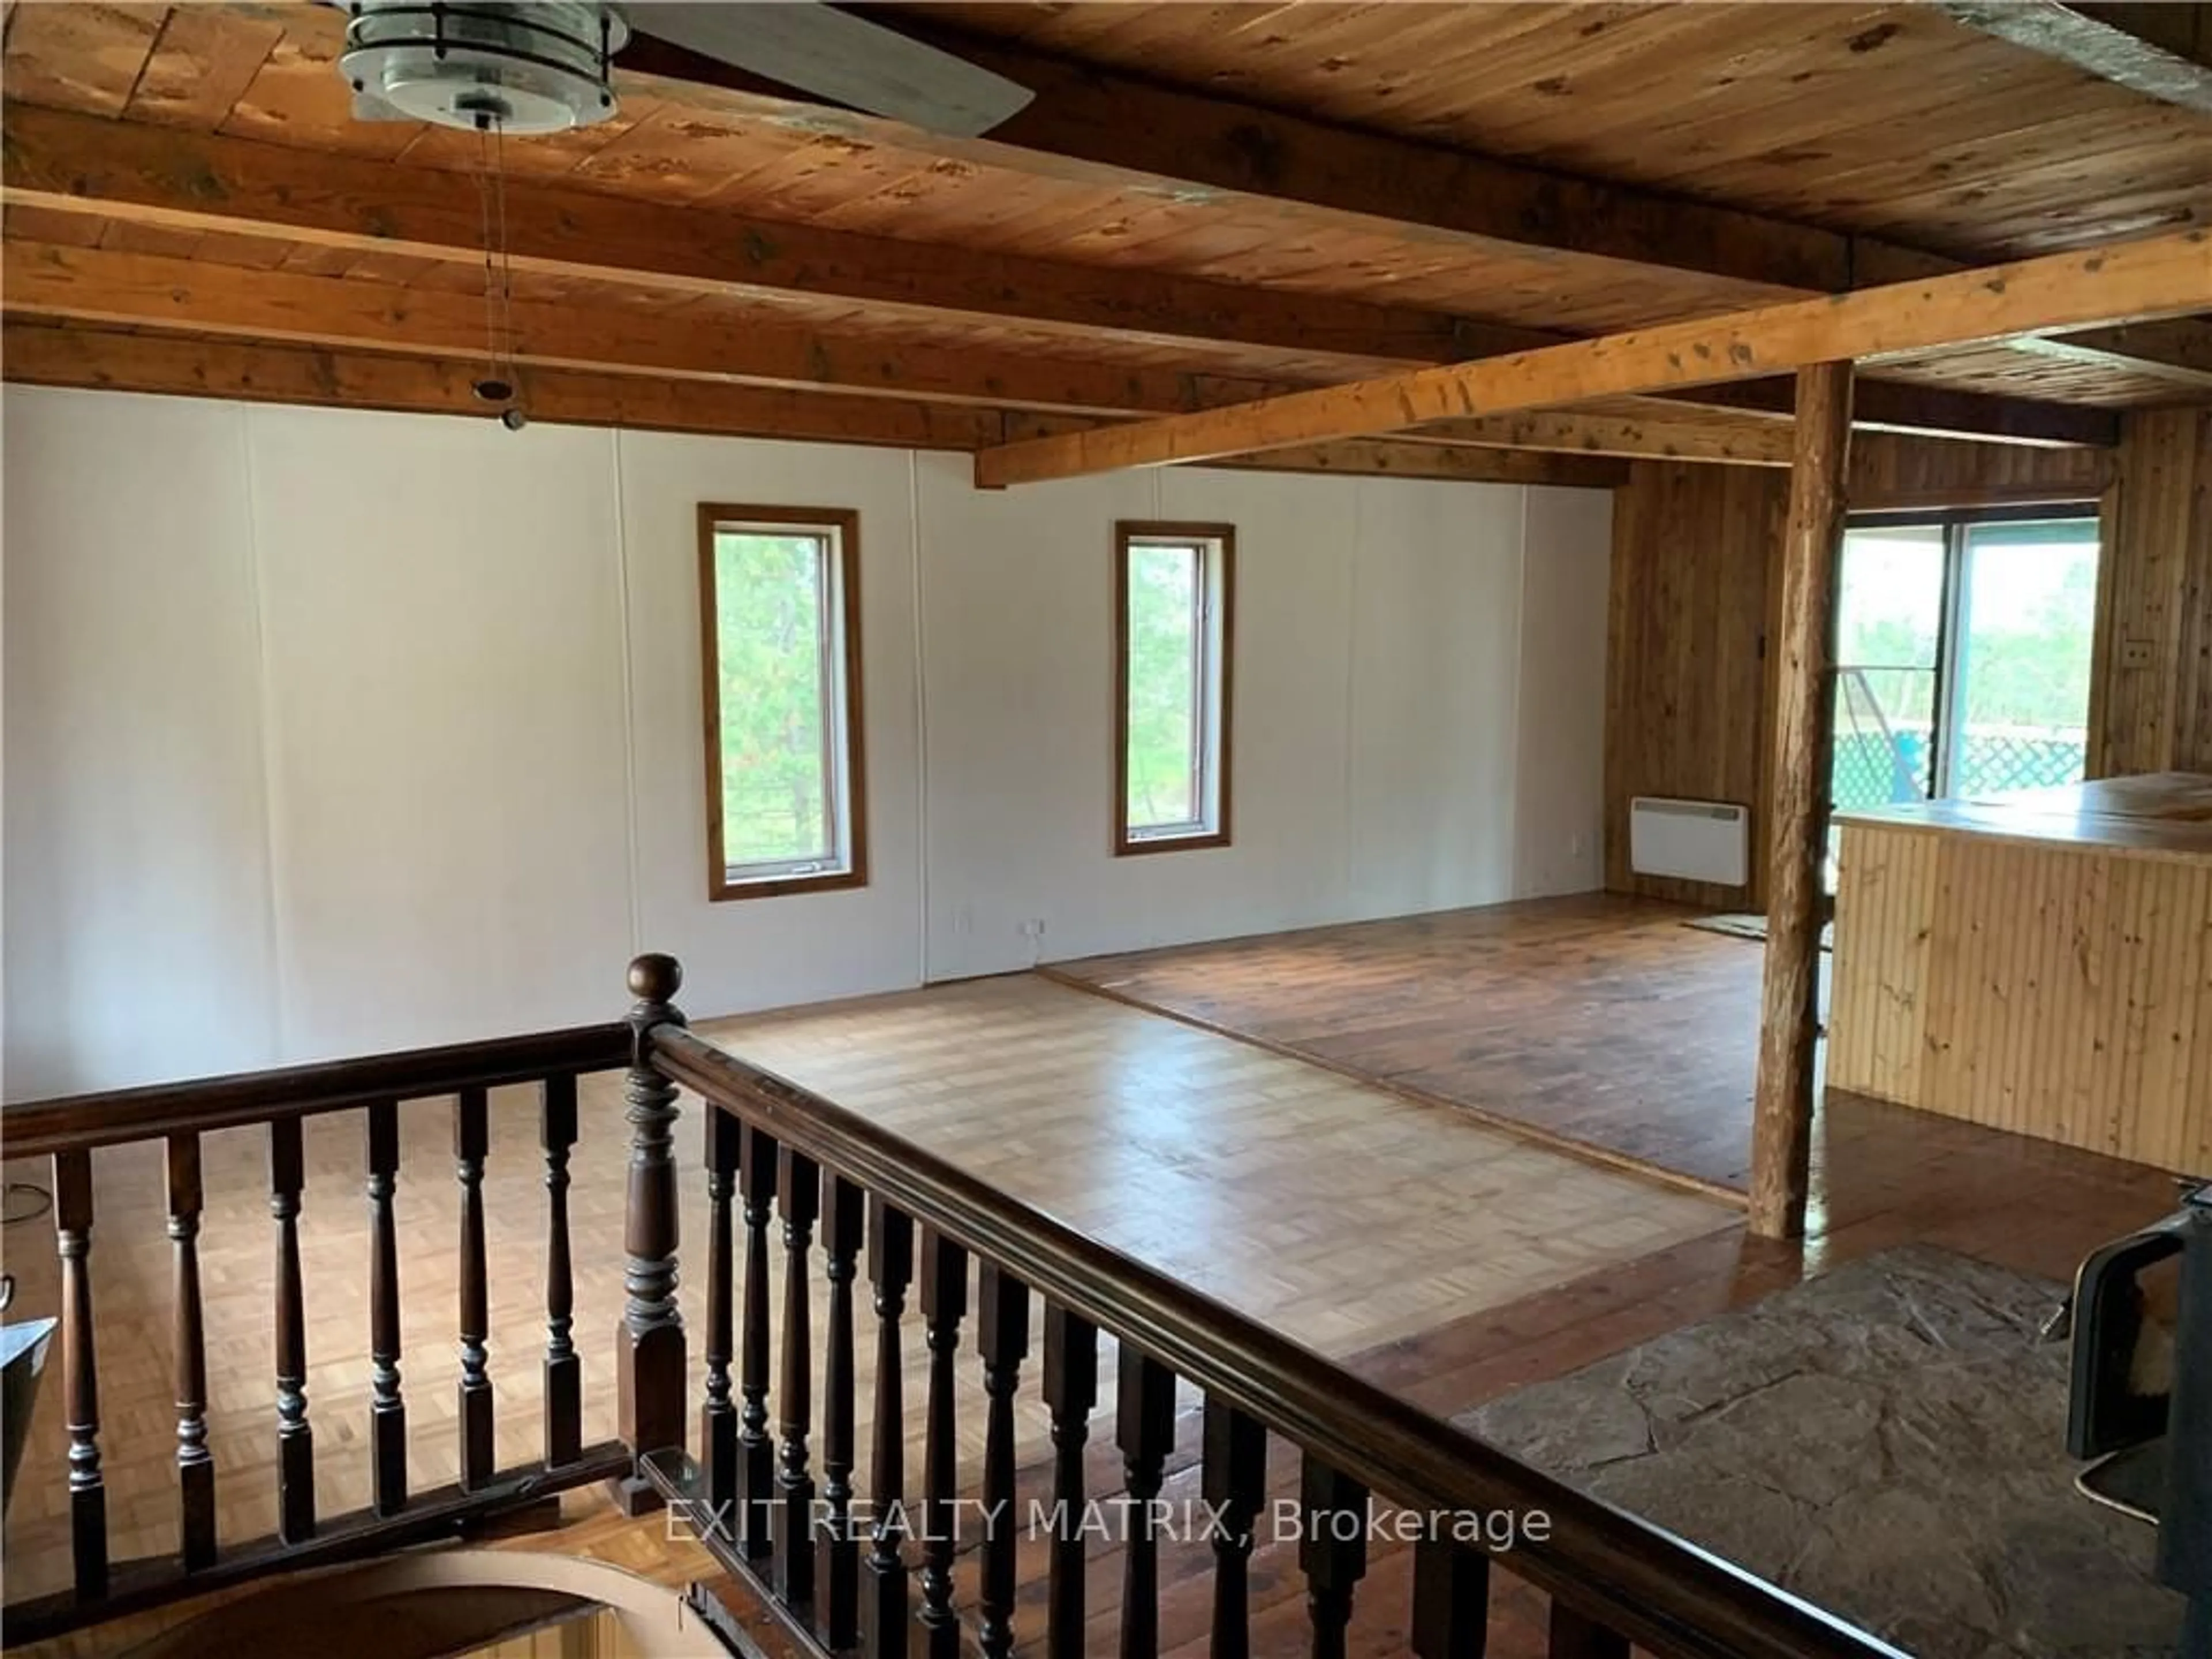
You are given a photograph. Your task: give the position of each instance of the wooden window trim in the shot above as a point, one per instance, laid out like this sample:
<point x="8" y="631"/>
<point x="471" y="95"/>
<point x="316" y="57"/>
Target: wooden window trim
<point x="1127" y="531"/>
<point x="846" y="525"/>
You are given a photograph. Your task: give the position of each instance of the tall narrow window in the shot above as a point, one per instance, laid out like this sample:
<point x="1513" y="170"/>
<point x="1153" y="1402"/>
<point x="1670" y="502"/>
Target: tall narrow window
<point x="1172" y="588"/>
<point x="779" y="615"/>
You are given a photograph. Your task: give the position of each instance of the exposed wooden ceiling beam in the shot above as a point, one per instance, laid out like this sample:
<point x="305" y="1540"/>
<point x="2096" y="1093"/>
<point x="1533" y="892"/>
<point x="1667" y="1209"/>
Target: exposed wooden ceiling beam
<point x="103" y="286"/>
<point x="2163" y="52"/>
<point x="144" y="174"/>
<point x="100" y="285"/>
<point x="2165" y="276"/>
<point x="43" y="355"/>
<point x="140" y="174"/>
<point x="1749" y="441"/>
<point x="1096" y="126"/>
<point x="2177" y="353"/>
<point x="1928" y="411"/>
<point x="1101" y="127"/>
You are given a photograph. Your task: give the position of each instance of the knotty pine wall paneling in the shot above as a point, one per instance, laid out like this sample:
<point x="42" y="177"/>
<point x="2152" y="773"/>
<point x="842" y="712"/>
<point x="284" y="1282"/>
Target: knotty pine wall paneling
<point x="1695" y="551"/>
<point x="2151" y="688"/>
<point x="1697" y="548"/>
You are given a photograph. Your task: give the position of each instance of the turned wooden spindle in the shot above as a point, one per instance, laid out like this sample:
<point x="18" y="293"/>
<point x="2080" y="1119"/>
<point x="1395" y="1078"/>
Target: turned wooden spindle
<point x="295" y="1438"/>
<point x="564" y="1370"/>
<point x="944" y="1304"/>
<point x="649" y="1352"/>
<point x="791" y="1523"/>
<point x="1235" y="1484"/>
<point x="196" y="1530"/>
<point x="1002" y="1337"/>
<point x="1144" y="1428"/>
<point x="1451" y="1600"/>
<point x="837" y="1575"/>
<point x="80" y="1373"/>
<point x="884" y="1599"/>
<point x="1576" y="1635"/>
<point x="1071" y="1393"/>
<point x="387" y="1409"/>
<point x="473" y="1410"/>
<point x="1331" y="1550"/>
<point x="757" y="1178"/>
<point x="718" y="1417"/>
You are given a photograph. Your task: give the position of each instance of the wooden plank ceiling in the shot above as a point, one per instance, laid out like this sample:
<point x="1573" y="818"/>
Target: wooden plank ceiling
<point x="1206" y="205"/>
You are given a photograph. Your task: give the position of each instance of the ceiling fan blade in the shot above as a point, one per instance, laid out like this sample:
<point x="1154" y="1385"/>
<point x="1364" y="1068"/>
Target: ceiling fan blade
<point x="840" y="57"/>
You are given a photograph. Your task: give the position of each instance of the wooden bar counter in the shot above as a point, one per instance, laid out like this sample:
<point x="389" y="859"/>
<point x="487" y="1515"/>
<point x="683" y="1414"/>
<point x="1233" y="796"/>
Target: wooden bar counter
<point x="2039" y="961"/>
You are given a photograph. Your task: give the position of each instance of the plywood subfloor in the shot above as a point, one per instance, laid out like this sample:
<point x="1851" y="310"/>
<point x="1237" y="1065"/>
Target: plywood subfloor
<point x="1596" y="1020"/>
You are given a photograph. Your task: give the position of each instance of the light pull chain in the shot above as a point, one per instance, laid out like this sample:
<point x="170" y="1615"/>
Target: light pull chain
<point x="501" y="382"/>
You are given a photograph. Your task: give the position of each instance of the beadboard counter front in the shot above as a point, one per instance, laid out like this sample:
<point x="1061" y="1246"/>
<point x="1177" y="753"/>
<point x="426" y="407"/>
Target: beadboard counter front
<point x="2039" y="961"/>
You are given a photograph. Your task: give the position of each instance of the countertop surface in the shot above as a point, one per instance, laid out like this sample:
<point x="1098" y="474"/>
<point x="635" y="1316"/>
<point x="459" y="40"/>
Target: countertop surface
<point x="2160" y="813"/>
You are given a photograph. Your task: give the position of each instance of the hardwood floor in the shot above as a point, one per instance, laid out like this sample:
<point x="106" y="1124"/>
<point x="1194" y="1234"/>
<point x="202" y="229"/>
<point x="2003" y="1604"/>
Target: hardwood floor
<point x="1443" y="1259"/>
<point x="1596" y="1022"/>
<point x="1294" y="1195"/>
<point x="1339" y="1214"/>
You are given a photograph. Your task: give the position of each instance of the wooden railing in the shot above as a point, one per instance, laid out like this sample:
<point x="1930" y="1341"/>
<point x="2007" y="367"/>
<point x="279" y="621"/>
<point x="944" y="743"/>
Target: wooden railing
<point x="70" y="1130"/>
<point x="771" y="1145"/>
<point x="926" y="1231"/>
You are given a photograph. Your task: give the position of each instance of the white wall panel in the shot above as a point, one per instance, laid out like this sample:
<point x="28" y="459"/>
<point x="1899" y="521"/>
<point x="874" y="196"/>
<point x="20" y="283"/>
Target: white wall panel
<point x="1435" y="647"/>
<point x="137" y="865"/>
<point x="466" y="663"/>
<point x="1559" y="785"/>
<point x="444" y="652"/>
<point x="1017" y="597"/>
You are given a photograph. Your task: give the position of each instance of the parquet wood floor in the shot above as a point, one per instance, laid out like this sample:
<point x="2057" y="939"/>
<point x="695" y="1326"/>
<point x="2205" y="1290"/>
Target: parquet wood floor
<point x="1295" y="1196"/>
<point x="1186" y="1147"/>
<point x="1596" y="1022"/>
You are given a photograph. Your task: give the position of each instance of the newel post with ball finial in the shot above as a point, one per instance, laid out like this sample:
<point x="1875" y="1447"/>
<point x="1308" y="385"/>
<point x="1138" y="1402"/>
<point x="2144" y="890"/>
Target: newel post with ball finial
<point x="649" y="1342"/>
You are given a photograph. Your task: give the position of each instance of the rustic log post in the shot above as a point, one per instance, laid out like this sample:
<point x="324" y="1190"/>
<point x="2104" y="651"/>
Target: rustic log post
<point x="1782" y="1122"/>
<point x="649" y="1343"/>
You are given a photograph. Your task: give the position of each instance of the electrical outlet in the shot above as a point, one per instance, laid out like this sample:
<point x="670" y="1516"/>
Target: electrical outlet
<point x="2135" y="654"/>
<point x="1033" y="928"/>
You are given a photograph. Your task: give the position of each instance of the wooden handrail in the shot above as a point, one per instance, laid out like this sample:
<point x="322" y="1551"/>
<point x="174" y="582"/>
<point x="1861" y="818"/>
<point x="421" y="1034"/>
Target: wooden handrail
<point x="176" y="1116"/>
<point x="34" y="1129"/>
<point x="1660" y="1591"/>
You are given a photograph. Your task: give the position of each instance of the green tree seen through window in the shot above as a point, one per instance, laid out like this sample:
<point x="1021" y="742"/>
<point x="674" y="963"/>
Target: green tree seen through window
<point x="772" y="623"/>
<point x="1164" y="755"/>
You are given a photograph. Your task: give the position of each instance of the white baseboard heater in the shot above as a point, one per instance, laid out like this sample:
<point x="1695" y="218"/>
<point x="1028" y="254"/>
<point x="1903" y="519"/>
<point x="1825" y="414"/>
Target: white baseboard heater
<point x="1690" y="840"/>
